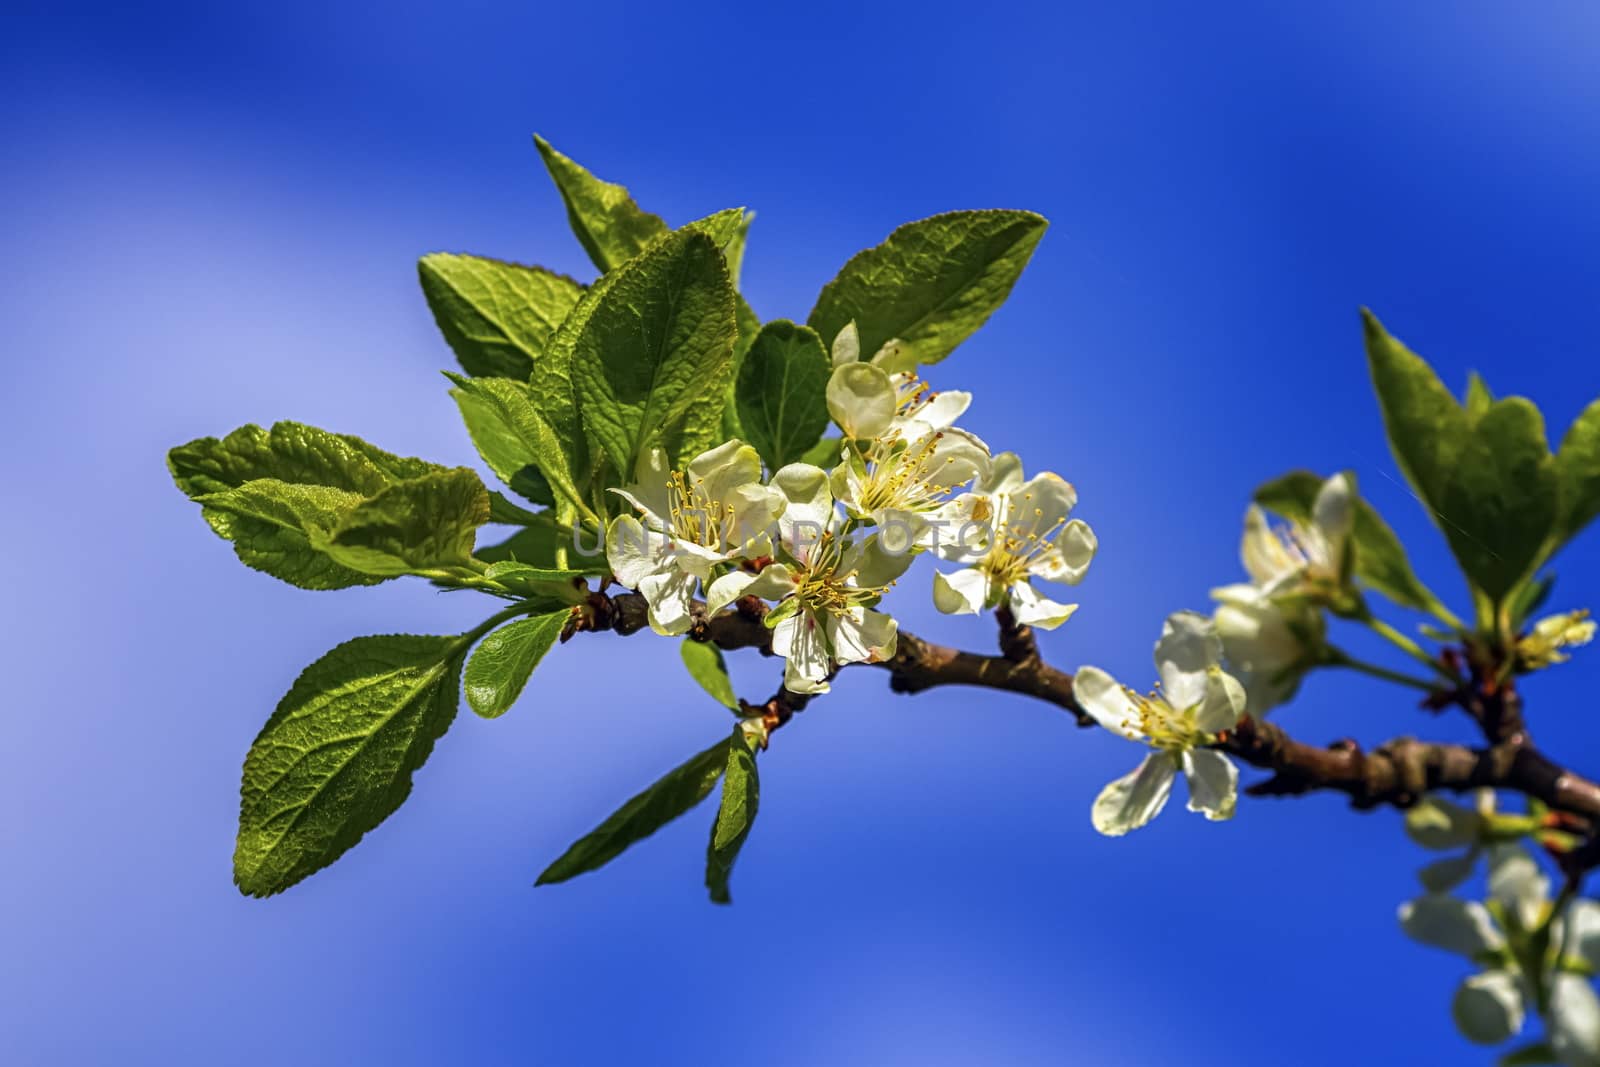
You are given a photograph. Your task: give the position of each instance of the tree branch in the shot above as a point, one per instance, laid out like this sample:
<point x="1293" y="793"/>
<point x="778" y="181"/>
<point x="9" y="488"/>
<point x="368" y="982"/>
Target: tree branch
<point x="1397" y="772"/>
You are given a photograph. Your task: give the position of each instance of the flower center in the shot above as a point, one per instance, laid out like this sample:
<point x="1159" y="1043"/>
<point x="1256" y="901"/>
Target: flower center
<point x="1163" y="727"/>
<point x="1018" y="548"/>
<point x="695" y="516"/>
<point x="905" y="477"/>
<point x="822" y="586"/>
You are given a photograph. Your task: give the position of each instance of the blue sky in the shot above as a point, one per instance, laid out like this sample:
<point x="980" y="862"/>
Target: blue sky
<point x="213" y="215"/>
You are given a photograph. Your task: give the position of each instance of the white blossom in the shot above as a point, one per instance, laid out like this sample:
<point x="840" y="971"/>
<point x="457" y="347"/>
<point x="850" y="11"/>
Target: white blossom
<point x="1194" y="702"/>
<point x="1014" y="531"/>
<point x="826" y="584"/>
<point x="693" y="520"/>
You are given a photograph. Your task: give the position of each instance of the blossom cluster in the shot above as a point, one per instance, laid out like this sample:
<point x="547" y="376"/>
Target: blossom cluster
<point x="824" y="546"/>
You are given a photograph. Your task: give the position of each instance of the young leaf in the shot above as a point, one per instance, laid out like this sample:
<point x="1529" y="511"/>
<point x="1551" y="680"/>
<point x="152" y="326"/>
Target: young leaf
<point x="606" y="221"/>
<point x="279" y="527"/>
<point x="658" y="343"/>
<point x="415" y="525"/>
<point x="706" y="666"/>
<point x="930" y="284"/>
<point x="514" y="438"/>
<point x="741" y="796"/>
<point x="1380" y="560"/>
<point x="1578" y="468"/>
<point x="502" y="663"/>
<point x="679" y="790"/>
<point x="781" y="392"/>
<point x="1501" y="497"/>
<point x="496" y="316"/>
<point x="337" y="756"/>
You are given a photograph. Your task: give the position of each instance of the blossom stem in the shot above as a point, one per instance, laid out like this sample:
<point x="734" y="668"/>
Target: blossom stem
<point x="1409" y="647"/>
<point x="1337" y="657"/>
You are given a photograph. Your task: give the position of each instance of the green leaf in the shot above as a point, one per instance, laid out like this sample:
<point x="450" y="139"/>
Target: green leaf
<point x="496" y="316"/>
<point x="679" y="790"/>
<point x="1488" y="479"/>
<point x="1578" y="468"/>
<point x="337" y="756"/>
<point x="539" y="544"/>
<point x="419" y="524"/>
<point x="559" y="584"/>
<point x="514" y="438"/>
<point x="1478" y="396"/>
<point x="733" y="248"/>
<point x="1534" y="1055"/>
<point x="289" y="452"/>
<point x="825" y="453"/>
<point x="1381" y="561"/>
<point x="706" y="667"/>
<point x="930" y="284"/>
<point x="1501" y="498"/>
<point x="1427" y="429"/>
<point x="741" y="796"/>
<point x="504" y="510"/>
<point x="606" y="221"/>
<point x="781" y="392"/>
<point x="723" y="228"/>
<point x="658" y="342"/>
<point x="299" y="479"/>
<point x="502" y="663"/>
<point x="279" y="528"/>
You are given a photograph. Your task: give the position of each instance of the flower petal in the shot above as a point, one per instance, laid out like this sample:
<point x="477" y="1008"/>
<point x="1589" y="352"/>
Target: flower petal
<point x="1040" y="505"/>
<point x="1213" y="783"/>
<point x="847" y="344"/>
<point x="1188" y="648"/>
<point x="1582" y="925"/>
<point x="1574" y="1022"/>
<point x="1099" y="694"/>
<point x="1005" y="474"/>
<point x="1068" y="560"/>
<point x="861" y="399"/>
<point x="726" y="589"/>
<point x="1518" y="883"/>
<point x="963" y="593"/>
<point x="1031" y="609"/>
<point x="1460" y="926"/>
<point x="1224" y="702"/>
<point x="670" y="594"/>
<point x="1334" y="513"/>
<point x="808" y="510"/>
<point x="632" y="551"/>
<point x="1265" y="559"/>
<point x="723" y="469"/>
<point x="863" y="637"/>
<point x="1488" y="1008"/>
<point x="798" y="639"/>
<point x="1134" y="799"/>
<point x="1441" y="876"/>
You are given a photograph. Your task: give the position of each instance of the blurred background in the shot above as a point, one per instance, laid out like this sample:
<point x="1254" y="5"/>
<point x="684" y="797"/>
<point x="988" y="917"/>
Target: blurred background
<point x="212" y="216"/>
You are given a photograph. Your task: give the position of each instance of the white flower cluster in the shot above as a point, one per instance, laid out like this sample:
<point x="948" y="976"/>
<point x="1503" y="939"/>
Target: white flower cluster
<point x="826" y="545"/>
<point x="1530" y="959"/>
